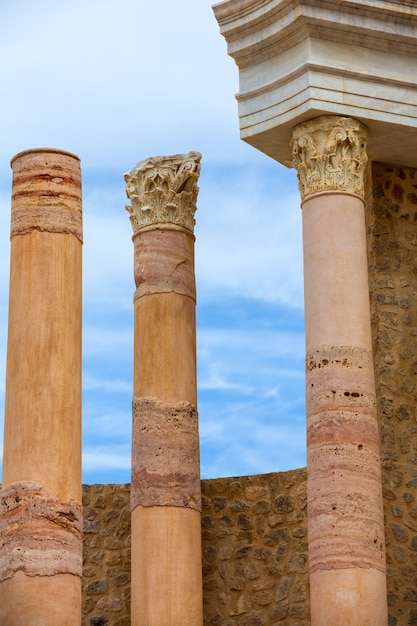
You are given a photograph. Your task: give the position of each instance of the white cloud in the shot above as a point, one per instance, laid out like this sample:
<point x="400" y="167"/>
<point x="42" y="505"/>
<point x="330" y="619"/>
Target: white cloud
<point x="109" y="80"/>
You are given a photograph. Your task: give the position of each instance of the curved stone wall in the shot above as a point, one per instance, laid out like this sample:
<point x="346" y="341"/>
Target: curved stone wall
<point x="254" y="533"/>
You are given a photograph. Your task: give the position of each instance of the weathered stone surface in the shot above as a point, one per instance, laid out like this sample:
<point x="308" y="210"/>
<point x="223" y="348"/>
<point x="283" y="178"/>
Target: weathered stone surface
<point x="109" y="603"/>
<point x="245" y="581"/>
<point x="46" y="193"/>
<point x="106" y="585"/>
<point x="391" y="216"/>
<point x="97" y="586"/>
<point x="164" y="261"/>
<point x="39" y="535"/>
<point x="254" y="618"/>
<point x="50" y="219"/>
<point x="342" y="434"/>
<point x="251" y="564"/>
<point x="165" y="454"/>
<point x="99" y="621"/>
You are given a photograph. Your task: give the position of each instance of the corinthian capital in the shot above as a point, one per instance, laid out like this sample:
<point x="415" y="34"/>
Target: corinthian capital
<point x="163" y="190"/>
<point x="329" y="153"/>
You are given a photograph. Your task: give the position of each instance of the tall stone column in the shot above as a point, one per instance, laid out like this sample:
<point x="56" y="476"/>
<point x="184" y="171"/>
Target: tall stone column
<point x="165" y="486"/>
<point x="345" y="518"/>
<point x="40" y="502"/>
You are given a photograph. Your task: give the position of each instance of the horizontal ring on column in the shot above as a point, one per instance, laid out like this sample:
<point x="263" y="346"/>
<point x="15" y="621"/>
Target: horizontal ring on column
<point x="165" y="454"/>
<point x="53" y="219"/>
<point x="164" y="262"/>
<point x="46" y="192"/>
<point x="345" y="524"/>
<point x="39" y="535"/>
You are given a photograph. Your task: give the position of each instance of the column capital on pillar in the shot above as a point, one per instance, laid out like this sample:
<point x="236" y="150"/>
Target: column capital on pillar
<point x="163" y="190"/>
<point x="329" y="153"/>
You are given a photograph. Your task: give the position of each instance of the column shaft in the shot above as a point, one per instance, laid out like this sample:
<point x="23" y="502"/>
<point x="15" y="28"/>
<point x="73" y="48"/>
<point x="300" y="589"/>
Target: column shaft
<point x="345" y="518"/>
<point x="166" y="499"/>
<point x="40" y="502"/>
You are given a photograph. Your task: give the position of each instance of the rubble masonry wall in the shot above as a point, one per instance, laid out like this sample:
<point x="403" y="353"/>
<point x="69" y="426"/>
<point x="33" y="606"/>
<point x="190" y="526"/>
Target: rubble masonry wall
<point x="254" y="533"/>
<point x="392" y="251"/>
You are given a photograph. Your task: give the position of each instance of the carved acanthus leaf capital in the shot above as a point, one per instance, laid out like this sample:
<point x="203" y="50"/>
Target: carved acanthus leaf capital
<point x="329" y="153"/>
<point x="163" y="190"/>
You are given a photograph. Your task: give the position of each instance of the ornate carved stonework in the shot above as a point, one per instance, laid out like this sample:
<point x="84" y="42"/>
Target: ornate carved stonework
<point x="329" y="153"/>
<point x="164" y="190"/>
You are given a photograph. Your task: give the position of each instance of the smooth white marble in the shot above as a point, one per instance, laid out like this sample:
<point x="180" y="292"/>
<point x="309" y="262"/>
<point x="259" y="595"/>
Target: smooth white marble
<point x="299" y="59"/>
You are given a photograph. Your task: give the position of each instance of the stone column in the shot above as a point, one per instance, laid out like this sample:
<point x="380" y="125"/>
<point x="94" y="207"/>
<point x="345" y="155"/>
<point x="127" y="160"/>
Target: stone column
<point x="345" y="518"/>
<point x="40" y="503"/>
<point x="165" y="486"/>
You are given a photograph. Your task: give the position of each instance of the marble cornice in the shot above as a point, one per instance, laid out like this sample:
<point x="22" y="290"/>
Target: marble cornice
<point x="258" y="29"/>
<point x="300" y="59"/>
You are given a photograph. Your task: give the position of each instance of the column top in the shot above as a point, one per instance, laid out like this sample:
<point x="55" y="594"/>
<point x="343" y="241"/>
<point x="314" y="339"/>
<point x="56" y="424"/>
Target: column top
<point x="163" y="190"/>
<point x="39" y="150"/>
<point x="300" y="59"/>
<point x="329" y="153"/>
<point x="46" y="192"/>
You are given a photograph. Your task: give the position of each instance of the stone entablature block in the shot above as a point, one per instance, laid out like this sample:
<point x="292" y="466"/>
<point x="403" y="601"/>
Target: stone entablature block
<point x="299" y="59"/>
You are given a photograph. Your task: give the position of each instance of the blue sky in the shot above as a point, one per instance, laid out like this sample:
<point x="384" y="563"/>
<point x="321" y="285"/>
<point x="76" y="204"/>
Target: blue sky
<point x="116" y="82"/>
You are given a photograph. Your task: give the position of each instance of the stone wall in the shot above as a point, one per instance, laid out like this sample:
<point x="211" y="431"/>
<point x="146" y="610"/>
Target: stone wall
<point x="106" y="567"/>
<point x="255" y="568"/>
<point x="254" y="533"/>
<point x="392" y="244"/>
